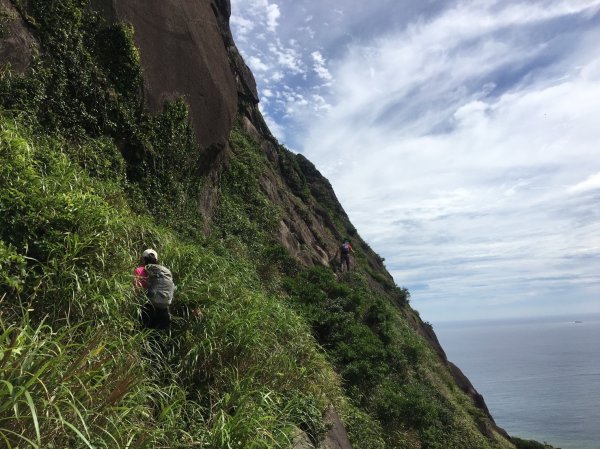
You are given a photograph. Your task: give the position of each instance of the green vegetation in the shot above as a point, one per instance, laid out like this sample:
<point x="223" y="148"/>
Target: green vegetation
<point x="239" y="366"/>
<point x="530" y="444"/>
<point x="87" y="88"/>
<point x="387" y="370"/>
<point x="5" y="18"/>
<point x="87" y="181"/>
<point x="245" y="212"/>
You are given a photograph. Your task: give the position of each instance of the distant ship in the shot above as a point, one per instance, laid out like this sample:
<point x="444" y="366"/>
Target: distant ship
<point x="577" y="322"/>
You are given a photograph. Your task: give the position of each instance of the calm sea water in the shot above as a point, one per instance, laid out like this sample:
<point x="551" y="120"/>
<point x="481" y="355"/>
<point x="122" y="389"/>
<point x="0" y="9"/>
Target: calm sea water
<point x="540" y="378"/>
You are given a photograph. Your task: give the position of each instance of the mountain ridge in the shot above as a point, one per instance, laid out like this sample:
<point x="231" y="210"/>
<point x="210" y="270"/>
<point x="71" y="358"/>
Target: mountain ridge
<point x="226" y="176"/>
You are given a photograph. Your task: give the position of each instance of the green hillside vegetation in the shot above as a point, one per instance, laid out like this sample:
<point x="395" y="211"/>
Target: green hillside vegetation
<point x="240" y="366"/>
<point x="261" y="345"/>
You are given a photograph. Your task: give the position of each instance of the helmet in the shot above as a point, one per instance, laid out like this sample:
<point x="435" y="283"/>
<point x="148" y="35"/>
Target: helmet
<point x="150" y="252"/>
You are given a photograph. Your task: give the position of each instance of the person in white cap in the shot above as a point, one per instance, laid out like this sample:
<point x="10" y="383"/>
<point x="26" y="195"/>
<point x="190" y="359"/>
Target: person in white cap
<point x="157" y="283"/>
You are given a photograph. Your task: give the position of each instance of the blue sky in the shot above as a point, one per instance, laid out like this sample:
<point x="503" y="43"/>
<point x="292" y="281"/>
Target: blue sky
<point x="462" y="138"/>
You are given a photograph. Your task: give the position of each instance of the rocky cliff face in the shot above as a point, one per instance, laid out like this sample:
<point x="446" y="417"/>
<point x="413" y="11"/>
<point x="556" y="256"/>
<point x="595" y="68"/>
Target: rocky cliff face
<point x="188" y="50"/>
<point x="183" y="54"/>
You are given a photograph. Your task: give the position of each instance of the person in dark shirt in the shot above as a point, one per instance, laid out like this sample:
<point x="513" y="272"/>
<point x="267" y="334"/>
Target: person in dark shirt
<point x="344" y="251"/>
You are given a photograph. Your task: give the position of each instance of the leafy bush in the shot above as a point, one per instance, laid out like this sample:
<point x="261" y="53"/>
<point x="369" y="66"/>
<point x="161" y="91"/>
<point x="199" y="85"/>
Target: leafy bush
<point x="387" y="370"/>
<point x="245" y="211"/>
<point x="13" y="270"/>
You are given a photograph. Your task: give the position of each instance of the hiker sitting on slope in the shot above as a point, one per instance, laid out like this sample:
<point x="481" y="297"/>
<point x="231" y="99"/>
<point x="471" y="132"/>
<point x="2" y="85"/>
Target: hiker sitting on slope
<point x="157" y="282"/>
<point x="344" y="251"/>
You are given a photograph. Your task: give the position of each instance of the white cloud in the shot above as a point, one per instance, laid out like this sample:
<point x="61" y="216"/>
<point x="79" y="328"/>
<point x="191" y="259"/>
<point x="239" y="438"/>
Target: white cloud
<point x="242" y="25"/>
<point x="273" y="15"/>
<point x="320" y="104"/>
<point x="257" y="65"/>
<point x="288" y="58"/>
<point x="277" y="76"/>
<point x="591" y="183"/>
<point x="319" y="66"/>
<point x="461" y="144"/>
<point x="461" y="179"/>
<point x="248" y="15"/>
<point x="474" y="19"/>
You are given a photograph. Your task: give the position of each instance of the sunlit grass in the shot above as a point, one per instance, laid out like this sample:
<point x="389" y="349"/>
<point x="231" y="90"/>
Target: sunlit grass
<point x="240" y="368"/>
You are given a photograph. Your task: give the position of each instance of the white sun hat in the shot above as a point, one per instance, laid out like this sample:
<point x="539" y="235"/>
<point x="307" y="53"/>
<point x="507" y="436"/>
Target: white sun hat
<point x="150" y="252"/>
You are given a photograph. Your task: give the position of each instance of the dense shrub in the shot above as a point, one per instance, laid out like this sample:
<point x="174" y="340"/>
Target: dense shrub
<point x="384" y="366"/>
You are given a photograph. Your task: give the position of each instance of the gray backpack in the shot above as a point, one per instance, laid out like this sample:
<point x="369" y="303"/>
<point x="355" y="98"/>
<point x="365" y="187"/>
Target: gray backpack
<point x="160" y="286"/>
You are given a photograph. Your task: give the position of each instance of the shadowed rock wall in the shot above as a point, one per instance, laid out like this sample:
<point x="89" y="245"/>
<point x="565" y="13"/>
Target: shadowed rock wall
<point x="17" y="44"/>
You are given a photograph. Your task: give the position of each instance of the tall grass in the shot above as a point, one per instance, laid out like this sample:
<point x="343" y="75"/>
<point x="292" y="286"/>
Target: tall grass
<point x="68" y="387"/>
<point x="239" y="369"/>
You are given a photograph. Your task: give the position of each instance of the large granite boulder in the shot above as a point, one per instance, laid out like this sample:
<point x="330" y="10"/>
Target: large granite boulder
<point x="187" y="51"/>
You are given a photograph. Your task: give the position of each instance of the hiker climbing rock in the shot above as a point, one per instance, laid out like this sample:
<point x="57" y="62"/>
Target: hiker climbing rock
<point x="344" y="251"/>
<point x="157" y="282"/>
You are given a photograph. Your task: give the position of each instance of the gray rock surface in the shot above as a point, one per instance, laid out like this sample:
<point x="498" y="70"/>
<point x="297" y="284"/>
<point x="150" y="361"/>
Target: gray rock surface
<point x="17" y="44"/>
<point x="337" y="437"/>
<point x="301" y="441"/>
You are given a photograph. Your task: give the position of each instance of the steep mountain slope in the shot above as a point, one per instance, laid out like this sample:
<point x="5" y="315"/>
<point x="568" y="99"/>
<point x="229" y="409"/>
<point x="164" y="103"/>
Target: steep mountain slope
<point x="127" y="124"/>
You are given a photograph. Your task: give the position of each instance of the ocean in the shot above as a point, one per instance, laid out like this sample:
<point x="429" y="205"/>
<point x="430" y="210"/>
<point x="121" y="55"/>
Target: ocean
<point x="540" y="377"/>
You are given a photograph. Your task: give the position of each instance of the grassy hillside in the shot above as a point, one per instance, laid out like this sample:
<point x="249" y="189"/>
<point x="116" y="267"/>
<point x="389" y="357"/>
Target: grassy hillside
<point x="239" y="366"/>
<point x="261" y="344"/>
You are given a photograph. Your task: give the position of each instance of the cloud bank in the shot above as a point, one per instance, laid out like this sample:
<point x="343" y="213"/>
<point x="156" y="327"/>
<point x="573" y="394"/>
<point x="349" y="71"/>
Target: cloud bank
<point x="463" y="143"/>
